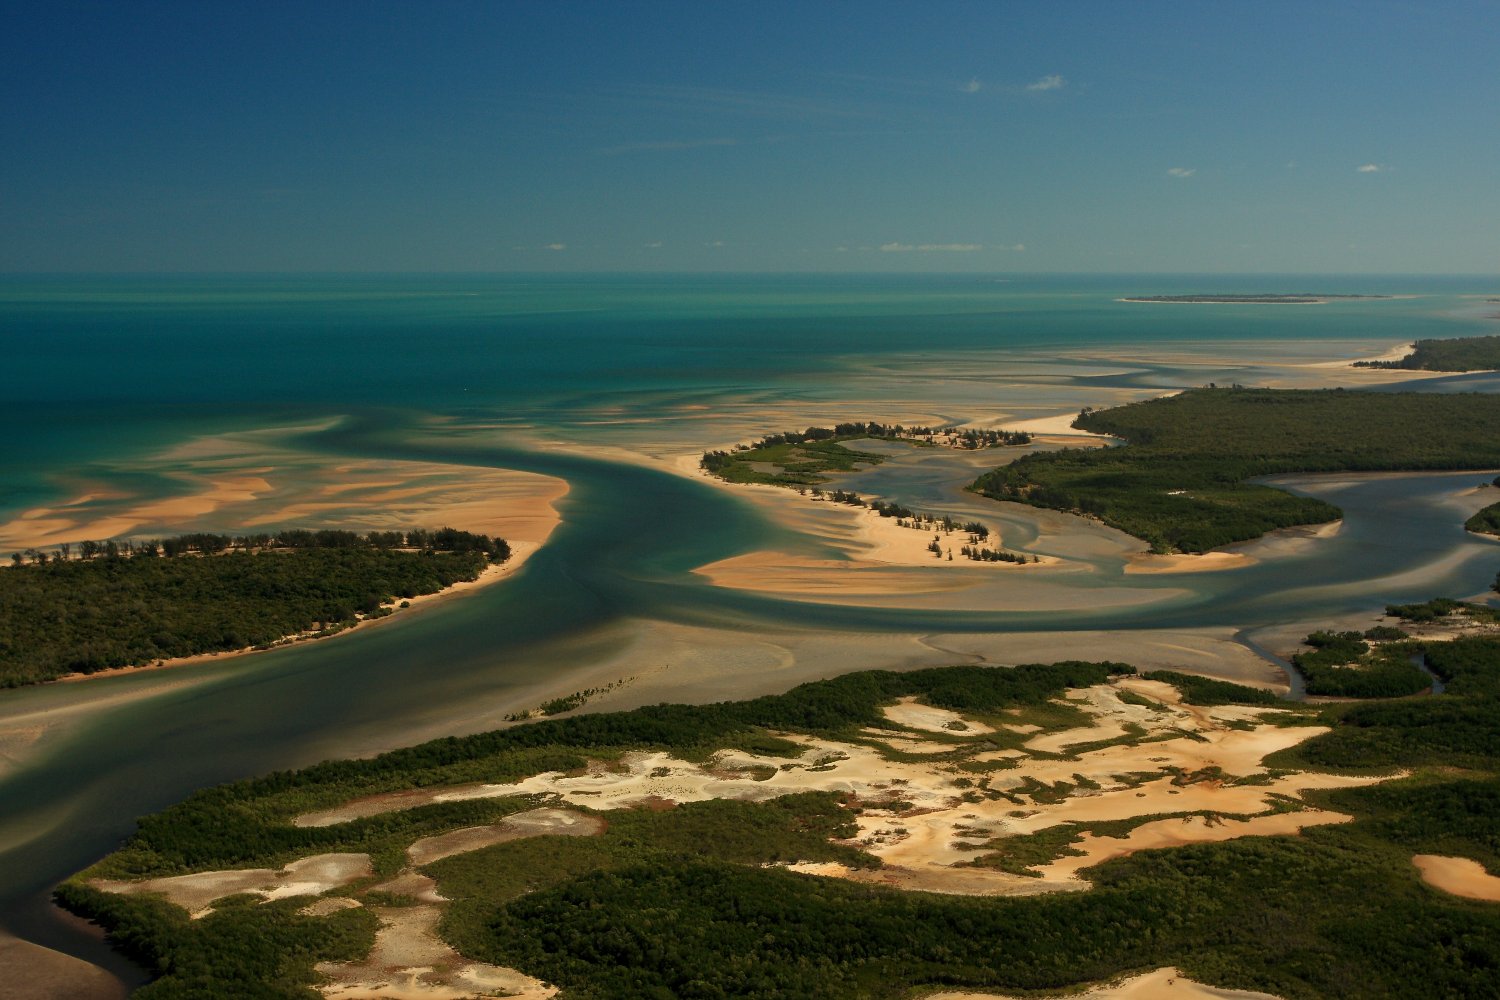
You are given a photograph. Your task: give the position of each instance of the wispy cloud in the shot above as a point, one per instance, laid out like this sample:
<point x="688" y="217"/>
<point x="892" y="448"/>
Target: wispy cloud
<point x="556" y="246"/>
<point x="714" y="244"/>
<point x="1370" y="168"/>
<point x="972" y="87"/>
<point x="652" y="246"/>
<point x="1052" y="81"/>
<point x="1181" y="171"/>
<point x="930" y="247"/>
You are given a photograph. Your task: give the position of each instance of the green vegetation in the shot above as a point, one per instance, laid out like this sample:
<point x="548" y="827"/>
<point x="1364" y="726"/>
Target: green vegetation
<point x="1180" y="482"/>
<point x="1441" y="608"/>
<point x="800" y="458"/>
<point x="1207" y="691"/>
<point x="1457" y="354"/>
<point x="263" y="951"/>
<point x="1486" y="521"/>
<point x="121" y="605"/>
<point x="680" y="903"/>
<point x="1344" y="665"/>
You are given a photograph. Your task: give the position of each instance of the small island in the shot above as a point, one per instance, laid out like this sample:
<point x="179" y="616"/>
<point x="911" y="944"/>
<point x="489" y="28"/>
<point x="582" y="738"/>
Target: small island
<point x="117" y="604"/>
<point x="1292" y="299"/>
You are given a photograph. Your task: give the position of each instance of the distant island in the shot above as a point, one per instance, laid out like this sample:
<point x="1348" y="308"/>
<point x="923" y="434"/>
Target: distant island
<point x="129" y="604"/>
<point x="1457" y="354"/>
<point x="1293" y="299"/>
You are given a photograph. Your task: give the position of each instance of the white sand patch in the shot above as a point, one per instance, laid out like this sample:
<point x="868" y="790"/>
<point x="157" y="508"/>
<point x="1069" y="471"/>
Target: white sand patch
<point x="533" y="823"/>
<point x="1163" y="984"/>
<point x="928" y="819"/>
<point x="1179" y="831"/>
<point x="195" y="893"/>
<point x="907" y="712"/>
<point x="1459" y="876"/>
<point x="410" y="962"/>
<point x="328" y="906"/>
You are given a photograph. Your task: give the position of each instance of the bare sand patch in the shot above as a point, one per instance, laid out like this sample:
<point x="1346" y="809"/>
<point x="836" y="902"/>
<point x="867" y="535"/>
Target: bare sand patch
<point x="533" y="823"/>
<point x="410" y="962"/>
<point x="196" y="893"/>
<point x="32" y="972"/>
<point x="910" y="713"/>
<point x="1206" y="562"/>
<point x="1460" y="876"/>
<point x="930" y="820"/>
<point x="1163" y="984"/>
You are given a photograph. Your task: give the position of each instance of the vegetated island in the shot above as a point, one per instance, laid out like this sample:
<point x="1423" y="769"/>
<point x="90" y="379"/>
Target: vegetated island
<point x="122" y="604"/>
<point x="1181" y="481"/>
<point x="1293" y="299"/>
<point x="1455" y="354"/>
<point x="766" y="848"/>
<point x="1487" y="520"/>
<point x="801" y="460"/>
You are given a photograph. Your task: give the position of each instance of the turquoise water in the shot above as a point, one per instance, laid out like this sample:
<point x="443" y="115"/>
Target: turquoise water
<point x="102" y="374"/>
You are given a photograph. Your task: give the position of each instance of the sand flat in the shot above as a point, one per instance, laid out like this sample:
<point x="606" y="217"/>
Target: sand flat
<point x="196" y="892"/>
<point x="928" y="820"/>
<point x="1163" y="984"/>
<point x="1460" y="876"/>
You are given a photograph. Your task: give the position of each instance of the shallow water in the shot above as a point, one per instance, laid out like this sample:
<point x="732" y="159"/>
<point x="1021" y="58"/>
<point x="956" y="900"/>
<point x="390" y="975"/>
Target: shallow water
<point x="107" y="376"/>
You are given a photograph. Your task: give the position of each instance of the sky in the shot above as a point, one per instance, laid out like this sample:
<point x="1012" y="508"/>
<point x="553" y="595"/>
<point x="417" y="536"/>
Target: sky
<point x="766" y="136"/>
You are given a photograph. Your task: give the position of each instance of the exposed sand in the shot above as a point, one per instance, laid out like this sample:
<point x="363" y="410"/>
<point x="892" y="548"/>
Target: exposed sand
<point x="250" y="480"/>
<point x="533" y="823"/>
<point x="410" y="962"/>
<point x="910" y="713"/>
<point x="1460" y="876"/>
<point x="37" y="973"/>
<point x="1163" y="984"/>
<point x="1207" y="562"/>
<point x="928" y="820"/>
<point x="196" y="893"/>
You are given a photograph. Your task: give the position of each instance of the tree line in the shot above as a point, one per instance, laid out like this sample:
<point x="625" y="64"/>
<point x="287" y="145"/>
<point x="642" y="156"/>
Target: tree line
<point x="150" y="603"/>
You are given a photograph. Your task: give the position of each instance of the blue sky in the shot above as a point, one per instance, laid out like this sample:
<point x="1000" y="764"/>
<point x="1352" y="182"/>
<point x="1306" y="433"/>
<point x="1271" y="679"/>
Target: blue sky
<point x="765" y="136"/>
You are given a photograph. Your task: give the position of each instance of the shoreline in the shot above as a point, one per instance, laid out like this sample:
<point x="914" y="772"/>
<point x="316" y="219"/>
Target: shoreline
<point x="493" y="573"/>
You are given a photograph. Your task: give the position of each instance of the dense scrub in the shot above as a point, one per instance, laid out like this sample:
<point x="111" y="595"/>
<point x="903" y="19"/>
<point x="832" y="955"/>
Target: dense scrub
<point x="1181" y="480"/>
<point x="1456" y="354"/>
<point x="1345" y="665"/>
<point x="801" y="458"/>
<point x="63" y="616"/>
<point x="681" y="904"/>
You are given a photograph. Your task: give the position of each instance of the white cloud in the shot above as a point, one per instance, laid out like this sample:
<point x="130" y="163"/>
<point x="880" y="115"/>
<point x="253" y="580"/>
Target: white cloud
<point x="1370" y="168"/>
<point x="972" y="87"/>
<point x="930" y="247"/>
<point x="1050" y="82"/>
<point x="1181" y="171"/>
<point x="652" y="246"/>
<point x="556" y="246"/>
